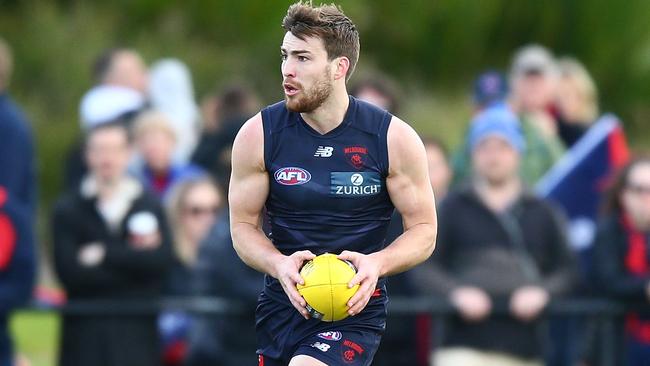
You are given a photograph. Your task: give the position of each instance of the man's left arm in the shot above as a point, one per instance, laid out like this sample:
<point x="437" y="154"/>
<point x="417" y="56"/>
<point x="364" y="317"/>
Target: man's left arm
<point x="409" y="189"/>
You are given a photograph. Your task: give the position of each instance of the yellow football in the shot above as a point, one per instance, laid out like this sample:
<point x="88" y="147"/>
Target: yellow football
<point x="326" y="287"/>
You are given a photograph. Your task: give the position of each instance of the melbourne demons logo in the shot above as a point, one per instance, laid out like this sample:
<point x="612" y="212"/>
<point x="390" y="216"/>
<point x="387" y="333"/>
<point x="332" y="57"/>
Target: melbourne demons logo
<point x="356" y="155"/>
<point x="292" y="176"/>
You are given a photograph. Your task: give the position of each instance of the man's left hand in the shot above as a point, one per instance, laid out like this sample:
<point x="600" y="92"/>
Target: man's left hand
<point x="527" y="302"/>
<point x="368" y="270"/>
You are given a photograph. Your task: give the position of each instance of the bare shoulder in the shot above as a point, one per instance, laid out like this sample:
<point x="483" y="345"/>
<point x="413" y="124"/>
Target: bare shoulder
<point x="248" y="148"/>
<point x="404" y="145"/>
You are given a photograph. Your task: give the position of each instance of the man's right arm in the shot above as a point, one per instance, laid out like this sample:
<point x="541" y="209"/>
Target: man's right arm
<point x="249" y="188"/>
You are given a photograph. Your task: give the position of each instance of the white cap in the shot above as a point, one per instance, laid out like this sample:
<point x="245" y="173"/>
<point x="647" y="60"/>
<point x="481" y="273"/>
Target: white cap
<point x="105" y="103"/>
<point x="533" y="58"/>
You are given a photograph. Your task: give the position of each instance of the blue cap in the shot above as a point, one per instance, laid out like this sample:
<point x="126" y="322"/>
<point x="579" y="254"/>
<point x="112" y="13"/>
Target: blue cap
<point x="500" y="121"/>
<point x="489" y="88"/>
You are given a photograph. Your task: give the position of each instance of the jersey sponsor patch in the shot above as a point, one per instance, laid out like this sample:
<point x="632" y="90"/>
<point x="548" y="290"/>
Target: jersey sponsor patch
<point x="292" y="176"/>
<point x="351" y="184"/>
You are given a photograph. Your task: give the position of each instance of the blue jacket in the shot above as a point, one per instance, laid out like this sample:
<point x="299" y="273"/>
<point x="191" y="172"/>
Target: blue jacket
<point x="17" y="163"/>
<point x="17" y="208"/>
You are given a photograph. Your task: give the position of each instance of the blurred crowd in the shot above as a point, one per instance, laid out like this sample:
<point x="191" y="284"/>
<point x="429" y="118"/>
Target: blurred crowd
<point x="144" y="216"/>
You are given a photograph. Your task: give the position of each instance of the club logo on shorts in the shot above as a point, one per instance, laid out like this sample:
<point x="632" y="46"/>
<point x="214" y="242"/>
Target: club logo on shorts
<point x="330" y="336"/>
<point x="292" y="176"/>
<point x="356" y="155"/>
<point x="350" y="351"/>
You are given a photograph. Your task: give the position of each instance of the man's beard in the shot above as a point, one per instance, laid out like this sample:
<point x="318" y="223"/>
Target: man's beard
<point x="309" y="100"/>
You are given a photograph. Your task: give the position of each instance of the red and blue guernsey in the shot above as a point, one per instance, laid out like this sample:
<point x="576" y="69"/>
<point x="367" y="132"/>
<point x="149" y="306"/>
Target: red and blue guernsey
<point x="327" y="191"/>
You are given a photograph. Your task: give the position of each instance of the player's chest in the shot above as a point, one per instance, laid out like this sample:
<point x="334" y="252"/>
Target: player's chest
<point x="310" y="172"/>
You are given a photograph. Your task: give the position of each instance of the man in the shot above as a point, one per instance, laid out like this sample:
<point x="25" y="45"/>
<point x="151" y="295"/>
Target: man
<point x="17" y="206"/>
<point x="300" y="159"/>
<point x="497" y="245"/>
<point x="121" y="67"/>
<point x="111" y="244"/>
<point x="534" y="78"/>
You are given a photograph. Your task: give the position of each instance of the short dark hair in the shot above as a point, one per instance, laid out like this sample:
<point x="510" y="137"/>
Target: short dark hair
<point x="382" y="85"/>
<point x="104" y="62"/>
<point x="119" y="123"/>
<point x="436" y="143"/>
<point x="329" y="23"/>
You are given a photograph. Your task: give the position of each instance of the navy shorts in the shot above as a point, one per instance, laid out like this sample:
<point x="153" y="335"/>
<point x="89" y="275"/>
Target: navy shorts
<point x="283" y="333"/>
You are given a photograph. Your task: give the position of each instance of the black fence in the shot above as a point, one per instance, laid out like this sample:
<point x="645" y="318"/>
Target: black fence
<point x="605" y="316"/>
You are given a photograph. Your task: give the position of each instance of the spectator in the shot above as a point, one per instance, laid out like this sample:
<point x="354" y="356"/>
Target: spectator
<point x="622" y="253"/>
<point x="17" y="160"/>
<point x="121" y="67"/>
<point x="17" y="206"/>
<point x="576" y="101"/>
<point x="439" y="169"/>
<point x="111" y="244"/>
<point x="192" y="210"/>
<point x="155" y="141"/>
<point x="379" y="90"/>
<point x="172" y="93"/>
<point x="398" y="347"/>
<point x="533" y="78"/>
<point x="121" y="80"/>
<point x="490" y="88"/>
<point x="224" y="340"/>
<point x="497" y="244"/>
<point x="235" y="105"/>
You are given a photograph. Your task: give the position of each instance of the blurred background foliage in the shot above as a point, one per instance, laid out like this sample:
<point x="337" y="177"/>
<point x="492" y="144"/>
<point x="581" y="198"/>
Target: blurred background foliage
<point x="433" y="49"/>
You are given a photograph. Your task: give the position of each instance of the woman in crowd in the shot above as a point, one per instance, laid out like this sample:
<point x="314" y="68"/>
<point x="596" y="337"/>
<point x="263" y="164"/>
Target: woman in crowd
<point x="192" y="209"/>
<point x="576" y="100"/>
<point x="622" y="253"/>
<point x="155" y="142"/>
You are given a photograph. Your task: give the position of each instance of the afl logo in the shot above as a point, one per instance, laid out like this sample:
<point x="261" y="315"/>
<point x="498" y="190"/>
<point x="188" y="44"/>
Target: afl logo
<point x="292" y="176"/>
<point x="330" y="336"/>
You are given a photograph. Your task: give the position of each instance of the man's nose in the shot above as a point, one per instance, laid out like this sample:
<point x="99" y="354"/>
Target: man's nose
<point x="288" y="68"/>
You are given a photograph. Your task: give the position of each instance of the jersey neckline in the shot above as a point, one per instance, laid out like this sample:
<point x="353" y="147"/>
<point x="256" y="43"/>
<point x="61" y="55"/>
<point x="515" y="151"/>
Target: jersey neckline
<point x="347" y="120"/>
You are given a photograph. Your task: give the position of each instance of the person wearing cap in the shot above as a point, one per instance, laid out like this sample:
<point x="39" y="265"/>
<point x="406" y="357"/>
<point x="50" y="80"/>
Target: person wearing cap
<point x="111" y="245"/>
<point x="119" y="94"/>
<point x="490" y="88"/>
<point x="534" y="79"/>
<point x="514" y="259"/>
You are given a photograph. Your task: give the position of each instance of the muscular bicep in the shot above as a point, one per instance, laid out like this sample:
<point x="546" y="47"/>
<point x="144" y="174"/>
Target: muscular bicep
<point x="249" y="183"/>
<point x="408" y="180"/>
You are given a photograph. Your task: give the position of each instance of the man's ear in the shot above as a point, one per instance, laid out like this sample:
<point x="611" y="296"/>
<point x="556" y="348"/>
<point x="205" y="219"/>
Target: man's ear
<point x="342" y="65"/>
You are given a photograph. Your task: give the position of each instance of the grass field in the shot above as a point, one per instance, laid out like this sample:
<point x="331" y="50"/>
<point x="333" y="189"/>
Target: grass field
<point x="36" y="336"/>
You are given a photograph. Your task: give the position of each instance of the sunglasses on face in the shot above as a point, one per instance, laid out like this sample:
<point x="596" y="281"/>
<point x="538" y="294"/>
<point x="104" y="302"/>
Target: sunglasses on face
<point x="201" y="210"/>
<point x="638" y="188"/>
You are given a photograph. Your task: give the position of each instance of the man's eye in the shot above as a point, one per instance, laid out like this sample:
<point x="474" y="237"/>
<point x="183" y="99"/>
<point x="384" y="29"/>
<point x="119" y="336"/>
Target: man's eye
<point x="302" y="58"/>
<point x="283" y="57"/>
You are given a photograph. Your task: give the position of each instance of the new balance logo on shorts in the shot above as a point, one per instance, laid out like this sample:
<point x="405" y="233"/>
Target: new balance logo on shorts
<point x="324" y="151"/>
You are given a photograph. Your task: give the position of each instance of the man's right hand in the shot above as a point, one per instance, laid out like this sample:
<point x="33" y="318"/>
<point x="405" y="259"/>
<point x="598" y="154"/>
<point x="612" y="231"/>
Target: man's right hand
<point x="287" y="271"/>
<point x="473" y="303"/>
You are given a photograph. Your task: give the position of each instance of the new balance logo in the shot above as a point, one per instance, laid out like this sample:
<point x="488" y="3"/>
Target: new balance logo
<point x="324" y="151"/>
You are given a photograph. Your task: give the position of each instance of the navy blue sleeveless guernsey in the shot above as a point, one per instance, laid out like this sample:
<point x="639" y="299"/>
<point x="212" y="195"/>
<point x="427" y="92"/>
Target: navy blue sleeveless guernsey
<point x="327" y="191"/>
